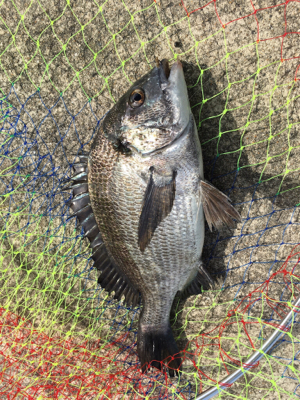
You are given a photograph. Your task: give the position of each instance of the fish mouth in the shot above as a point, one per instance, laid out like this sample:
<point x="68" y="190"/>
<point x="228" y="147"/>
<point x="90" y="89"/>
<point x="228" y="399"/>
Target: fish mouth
<point x="170" y="77"/>
<point x="165" y="69"/>
<point x="163" y="72"/>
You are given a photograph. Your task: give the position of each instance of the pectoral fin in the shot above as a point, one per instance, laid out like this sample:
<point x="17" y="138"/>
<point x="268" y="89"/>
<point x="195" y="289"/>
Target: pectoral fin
<point x="158" y="203"/>
<point x="217" y="207"/>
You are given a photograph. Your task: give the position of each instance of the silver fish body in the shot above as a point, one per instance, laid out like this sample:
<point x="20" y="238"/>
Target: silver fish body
<point x="148" y="197"/>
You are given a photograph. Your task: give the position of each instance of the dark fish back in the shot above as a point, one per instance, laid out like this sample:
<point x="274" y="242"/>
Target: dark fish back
<point x="111" y="277"/>
<point x="102" y="162"/>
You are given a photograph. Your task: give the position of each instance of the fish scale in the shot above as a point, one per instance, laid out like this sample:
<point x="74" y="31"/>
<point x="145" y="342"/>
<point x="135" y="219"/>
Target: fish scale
<point x="171" y="259"/>
<point x="143" y="186"/>
<point x="102" y="200"/>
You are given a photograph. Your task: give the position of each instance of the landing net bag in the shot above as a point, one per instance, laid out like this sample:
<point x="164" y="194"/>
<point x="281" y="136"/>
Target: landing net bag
<point x="63" y="64"/>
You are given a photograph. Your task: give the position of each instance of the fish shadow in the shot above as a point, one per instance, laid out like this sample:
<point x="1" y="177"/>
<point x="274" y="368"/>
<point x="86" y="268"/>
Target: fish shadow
<point x="230" y="171"/>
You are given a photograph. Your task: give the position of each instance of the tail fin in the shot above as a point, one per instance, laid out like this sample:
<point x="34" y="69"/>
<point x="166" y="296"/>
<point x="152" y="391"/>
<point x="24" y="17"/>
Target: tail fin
<point x="157" y="348"/>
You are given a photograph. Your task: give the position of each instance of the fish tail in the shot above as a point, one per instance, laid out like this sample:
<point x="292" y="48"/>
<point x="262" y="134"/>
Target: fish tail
<point x="157" y="348"/>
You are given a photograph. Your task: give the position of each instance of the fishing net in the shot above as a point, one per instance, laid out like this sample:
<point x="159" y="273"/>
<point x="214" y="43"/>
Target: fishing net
<point x="63" y="65"/>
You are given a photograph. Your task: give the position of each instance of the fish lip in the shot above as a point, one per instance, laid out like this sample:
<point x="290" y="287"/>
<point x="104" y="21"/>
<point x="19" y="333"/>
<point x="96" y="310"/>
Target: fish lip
<point x="164" y="69"/>
<point x="163" y="72"/>
<point x="175" y="73"/>
<point x="169" y="76"/>
<point x="166" y="72"/>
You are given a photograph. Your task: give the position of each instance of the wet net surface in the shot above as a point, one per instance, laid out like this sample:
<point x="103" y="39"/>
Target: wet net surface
<point x="63" y="64"/>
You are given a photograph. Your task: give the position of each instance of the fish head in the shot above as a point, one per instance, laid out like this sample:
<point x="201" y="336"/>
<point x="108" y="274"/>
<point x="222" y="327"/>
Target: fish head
<point x="152" y="113"/>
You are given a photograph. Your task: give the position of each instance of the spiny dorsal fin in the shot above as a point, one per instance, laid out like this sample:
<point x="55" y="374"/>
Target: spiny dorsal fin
<point x="110" y="278"/>
<point x="158" y="203"/>
<point x="217" y="207"/>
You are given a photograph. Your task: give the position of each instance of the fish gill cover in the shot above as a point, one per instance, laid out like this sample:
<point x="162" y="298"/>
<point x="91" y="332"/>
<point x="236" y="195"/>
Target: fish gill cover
<point x="63" y="65"/>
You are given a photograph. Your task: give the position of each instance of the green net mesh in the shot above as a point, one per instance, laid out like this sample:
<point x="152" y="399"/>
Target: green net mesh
<point x="63" y="64"/>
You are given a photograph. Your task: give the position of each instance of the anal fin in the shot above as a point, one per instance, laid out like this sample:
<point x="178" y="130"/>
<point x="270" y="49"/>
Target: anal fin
<point x="202" y="281"/>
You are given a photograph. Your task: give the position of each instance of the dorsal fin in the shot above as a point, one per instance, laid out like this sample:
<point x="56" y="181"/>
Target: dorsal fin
<point x="111" y="278"/>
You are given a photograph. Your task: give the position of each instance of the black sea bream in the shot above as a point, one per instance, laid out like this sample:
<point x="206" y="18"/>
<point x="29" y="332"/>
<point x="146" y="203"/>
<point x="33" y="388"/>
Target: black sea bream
<point x="141" y="197"/>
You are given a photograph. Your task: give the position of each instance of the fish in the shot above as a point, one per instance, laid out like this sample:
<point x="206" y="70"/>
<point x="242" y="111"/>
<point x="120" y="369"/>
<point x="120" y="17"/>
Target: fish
<point x="141" y="198"/>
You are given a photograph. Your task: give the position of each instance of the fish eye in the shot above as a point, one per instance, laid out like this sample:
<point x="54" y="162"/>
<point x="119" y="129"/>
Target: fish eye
<point x="137" y="98"/>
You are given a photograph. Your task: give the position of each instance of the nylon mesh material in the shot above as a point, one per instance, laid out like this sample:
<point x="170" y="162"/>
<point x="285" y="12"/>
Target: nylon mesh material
<point x="63" y="64"/>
